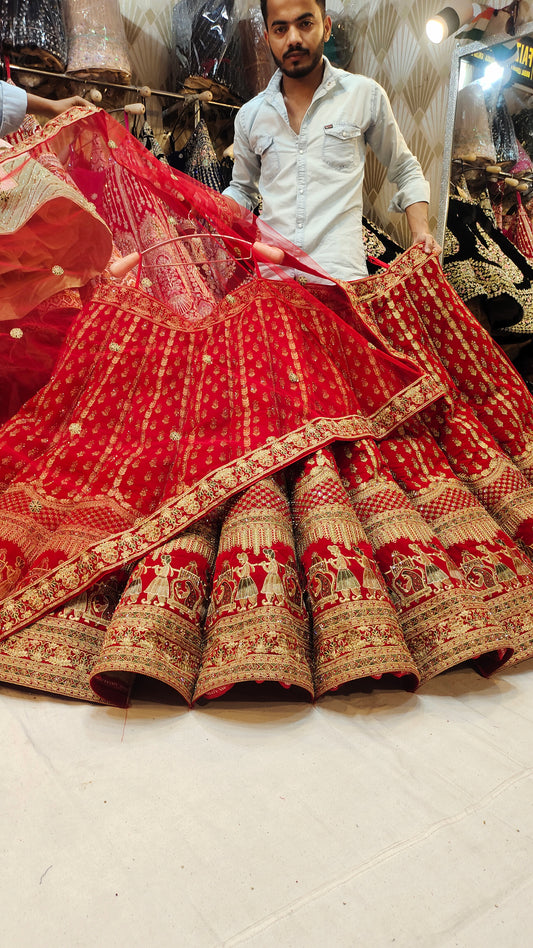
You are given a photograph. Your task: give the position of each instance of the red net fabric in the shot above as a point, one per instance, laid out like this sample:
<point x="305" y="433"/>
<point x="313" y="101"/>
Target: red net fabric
<point x="95" y="190"/>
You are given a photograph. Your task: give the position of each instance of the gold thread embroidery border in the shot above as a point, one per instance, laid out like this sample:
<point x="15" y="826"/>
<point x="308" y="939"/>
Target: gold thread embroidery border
<point x="103" y="557"/>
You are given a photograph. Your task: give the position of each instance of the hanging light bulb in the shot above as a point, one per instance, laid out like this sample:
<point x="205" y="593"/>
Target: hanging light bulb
<point x="436" y="29"/>
<point x="493" y="73"/>
<point x="450" y="19"/>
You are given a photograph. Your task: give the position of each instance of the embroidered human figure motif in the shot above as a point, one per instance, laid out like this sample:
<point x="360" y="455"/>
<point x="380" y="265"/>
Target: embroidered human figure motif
<point x="159" y="588"/>
<point x="345" y="580"/>
<point x="371" y="583"/>
<point x="9" y="574"/>
<point x="521" y="565"/>
<point x="134" y="588"/>
<point x="434" y="575"/>
<point x="272" y="587"/>
<point x="502" y="572"/>
<point x="247" y="591"/>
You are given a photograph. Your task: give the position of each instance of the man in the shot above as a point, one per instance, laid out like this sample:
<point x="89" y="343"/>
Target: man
<point x="15" y="102"/>
<point x="300" y="146"/>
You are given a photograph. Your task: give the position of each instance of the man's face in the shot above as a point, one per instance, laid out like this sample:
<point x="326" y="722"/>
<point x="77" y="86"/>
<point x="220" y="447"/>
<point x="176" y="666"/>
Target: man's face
<point x="296" y="32"/>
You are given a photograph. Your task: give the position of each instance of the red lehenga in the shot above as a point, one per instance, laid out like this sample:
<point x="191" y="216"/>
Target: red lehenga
<point x="230" y="478"/>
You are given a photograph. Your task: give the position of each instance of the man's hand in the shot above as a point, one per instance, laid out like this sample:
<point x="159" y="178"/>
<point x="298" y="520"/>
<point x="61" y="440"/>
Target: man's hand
<point x="53" y="107"/>
<point x="417" y="218"/>
<point x="61" y="105"/>
<point x="427" y="242"/>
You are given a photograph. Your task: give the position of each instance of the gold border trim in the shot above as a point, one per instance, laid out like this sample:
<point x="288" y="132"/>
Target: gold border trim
<point x="147" y="533"/>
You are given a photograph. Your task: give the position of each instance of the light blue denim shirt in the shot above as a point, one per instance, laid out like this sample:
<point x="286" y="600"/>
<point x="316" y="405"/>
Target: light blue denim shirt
<point x="311" y="184"/>
<point x="13" y="105"/>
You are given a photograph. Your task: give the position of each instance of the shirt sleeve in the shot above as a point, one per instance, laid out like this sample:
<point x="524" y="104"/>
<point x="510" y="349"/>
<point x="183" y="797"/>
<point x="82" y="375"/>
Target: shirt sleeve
<point x="13" y="105"/>
<point x="403" y="169"/>
<point x="244" y="186"/>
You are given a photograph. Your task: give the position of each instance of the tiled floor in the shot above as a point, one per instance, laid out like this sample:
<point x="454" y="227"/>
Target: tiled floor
<point x="371" y="819"/>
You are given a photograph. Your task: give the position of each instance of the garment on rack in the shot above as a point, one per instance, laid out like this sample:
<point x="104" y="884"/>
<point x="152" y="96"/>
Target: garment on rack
<point x="147" y="138"/>
<point x="33" y="33"/>
<point x="379" y="246"/>
<point x="235" y="478"/>
<point x="517" y="227"/>
<point x="97" y="44"/>
<point x="207" y="43"/>
<point x="502" y="130"/>
<point x="524" y="165"/>
<point x="523" y="126"/>
<point x="199" y="160"/>
<point x="481" y="263"/>
<point x="472" y="137"/>
<point x="341" y="44"/>
<point x="256" y="61"/>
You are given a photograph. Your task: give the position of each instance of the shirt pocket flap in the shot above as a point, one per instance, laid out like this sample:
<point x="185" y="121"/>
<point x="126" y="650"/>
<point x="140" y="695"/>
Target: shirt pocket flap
<point x="262" y="144"/>
<point x="342" y="132"/>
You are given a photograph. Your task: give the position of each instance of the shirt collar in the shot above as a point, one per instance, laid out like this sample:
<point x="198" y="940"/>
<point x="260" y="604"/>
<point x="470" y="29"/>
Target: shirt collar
<point x="331" y="77"/>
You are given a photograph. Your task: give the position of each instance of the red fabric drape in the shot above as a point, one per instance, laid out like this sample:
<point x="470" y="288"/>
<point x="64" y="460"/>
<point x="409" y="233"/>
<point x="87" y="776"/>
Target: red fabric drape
<point x="231" y="478"/>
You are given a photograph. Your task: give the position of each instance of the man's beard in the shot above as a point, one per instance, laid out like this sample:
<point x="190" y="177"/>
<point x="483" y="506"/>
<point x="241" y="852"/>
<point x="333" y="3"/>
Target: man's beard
<point x="304" y="68"/>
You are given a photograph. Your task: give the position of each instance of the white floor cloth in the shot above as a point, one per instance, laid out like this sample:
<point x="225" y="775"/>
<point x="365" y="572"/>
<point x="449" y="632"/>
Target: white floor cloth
<point x="375" y="818"/>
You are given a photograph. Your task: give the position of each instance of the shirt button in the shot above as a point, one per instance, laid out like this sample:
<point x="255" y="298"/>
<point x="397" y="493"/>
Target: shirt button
<point x="301" y="191"/>
<point x="344" y="134"/>
<point x="300" y="225"/>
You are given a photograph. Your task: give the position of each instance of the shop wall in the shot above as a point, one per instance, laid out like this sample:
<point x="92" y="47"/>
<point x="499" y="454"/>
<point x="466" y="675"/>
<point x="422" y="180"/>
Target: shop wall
<point x="148" y="26"/>
<point x="393" y="49"/>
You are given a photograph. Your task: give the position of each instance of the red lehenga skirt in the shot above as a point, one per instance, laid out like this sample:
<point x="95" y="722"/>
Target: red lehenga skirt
<point x="229" y="478"/>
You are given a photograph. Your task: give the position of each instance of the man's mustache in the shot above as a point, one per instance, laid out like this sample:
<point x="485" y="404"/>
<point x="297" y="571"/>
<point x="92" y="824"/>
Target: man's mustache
<point x="294" y="49"/>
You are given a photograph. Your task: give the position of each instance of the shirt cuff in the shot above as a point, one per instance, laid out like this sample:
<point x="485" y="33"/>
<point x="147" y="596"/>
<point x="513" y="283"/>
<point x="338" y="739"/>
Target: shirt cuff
<point x="407" y="196"/>
<point x="14" y="106"/>
<point x="239" y="196"/>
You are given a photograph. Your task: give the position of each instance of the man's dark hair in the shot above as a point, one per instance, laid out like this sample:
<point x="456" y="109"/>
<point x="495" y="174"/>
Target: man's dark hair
<point x="319" y="3"/>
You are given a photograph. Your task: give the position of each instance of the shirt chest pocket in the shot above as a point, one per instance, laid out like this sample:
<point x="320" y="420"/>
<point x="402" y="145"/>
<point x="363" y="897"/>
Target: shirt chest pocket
<point x="341" y="146"/>
<point x="265" y="148"/>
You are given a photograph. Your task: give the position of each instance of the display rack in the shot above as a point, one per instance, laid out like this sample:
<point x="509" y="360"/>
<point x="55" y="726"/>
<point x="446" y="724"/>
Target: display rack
<point x="451" y="168"/>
